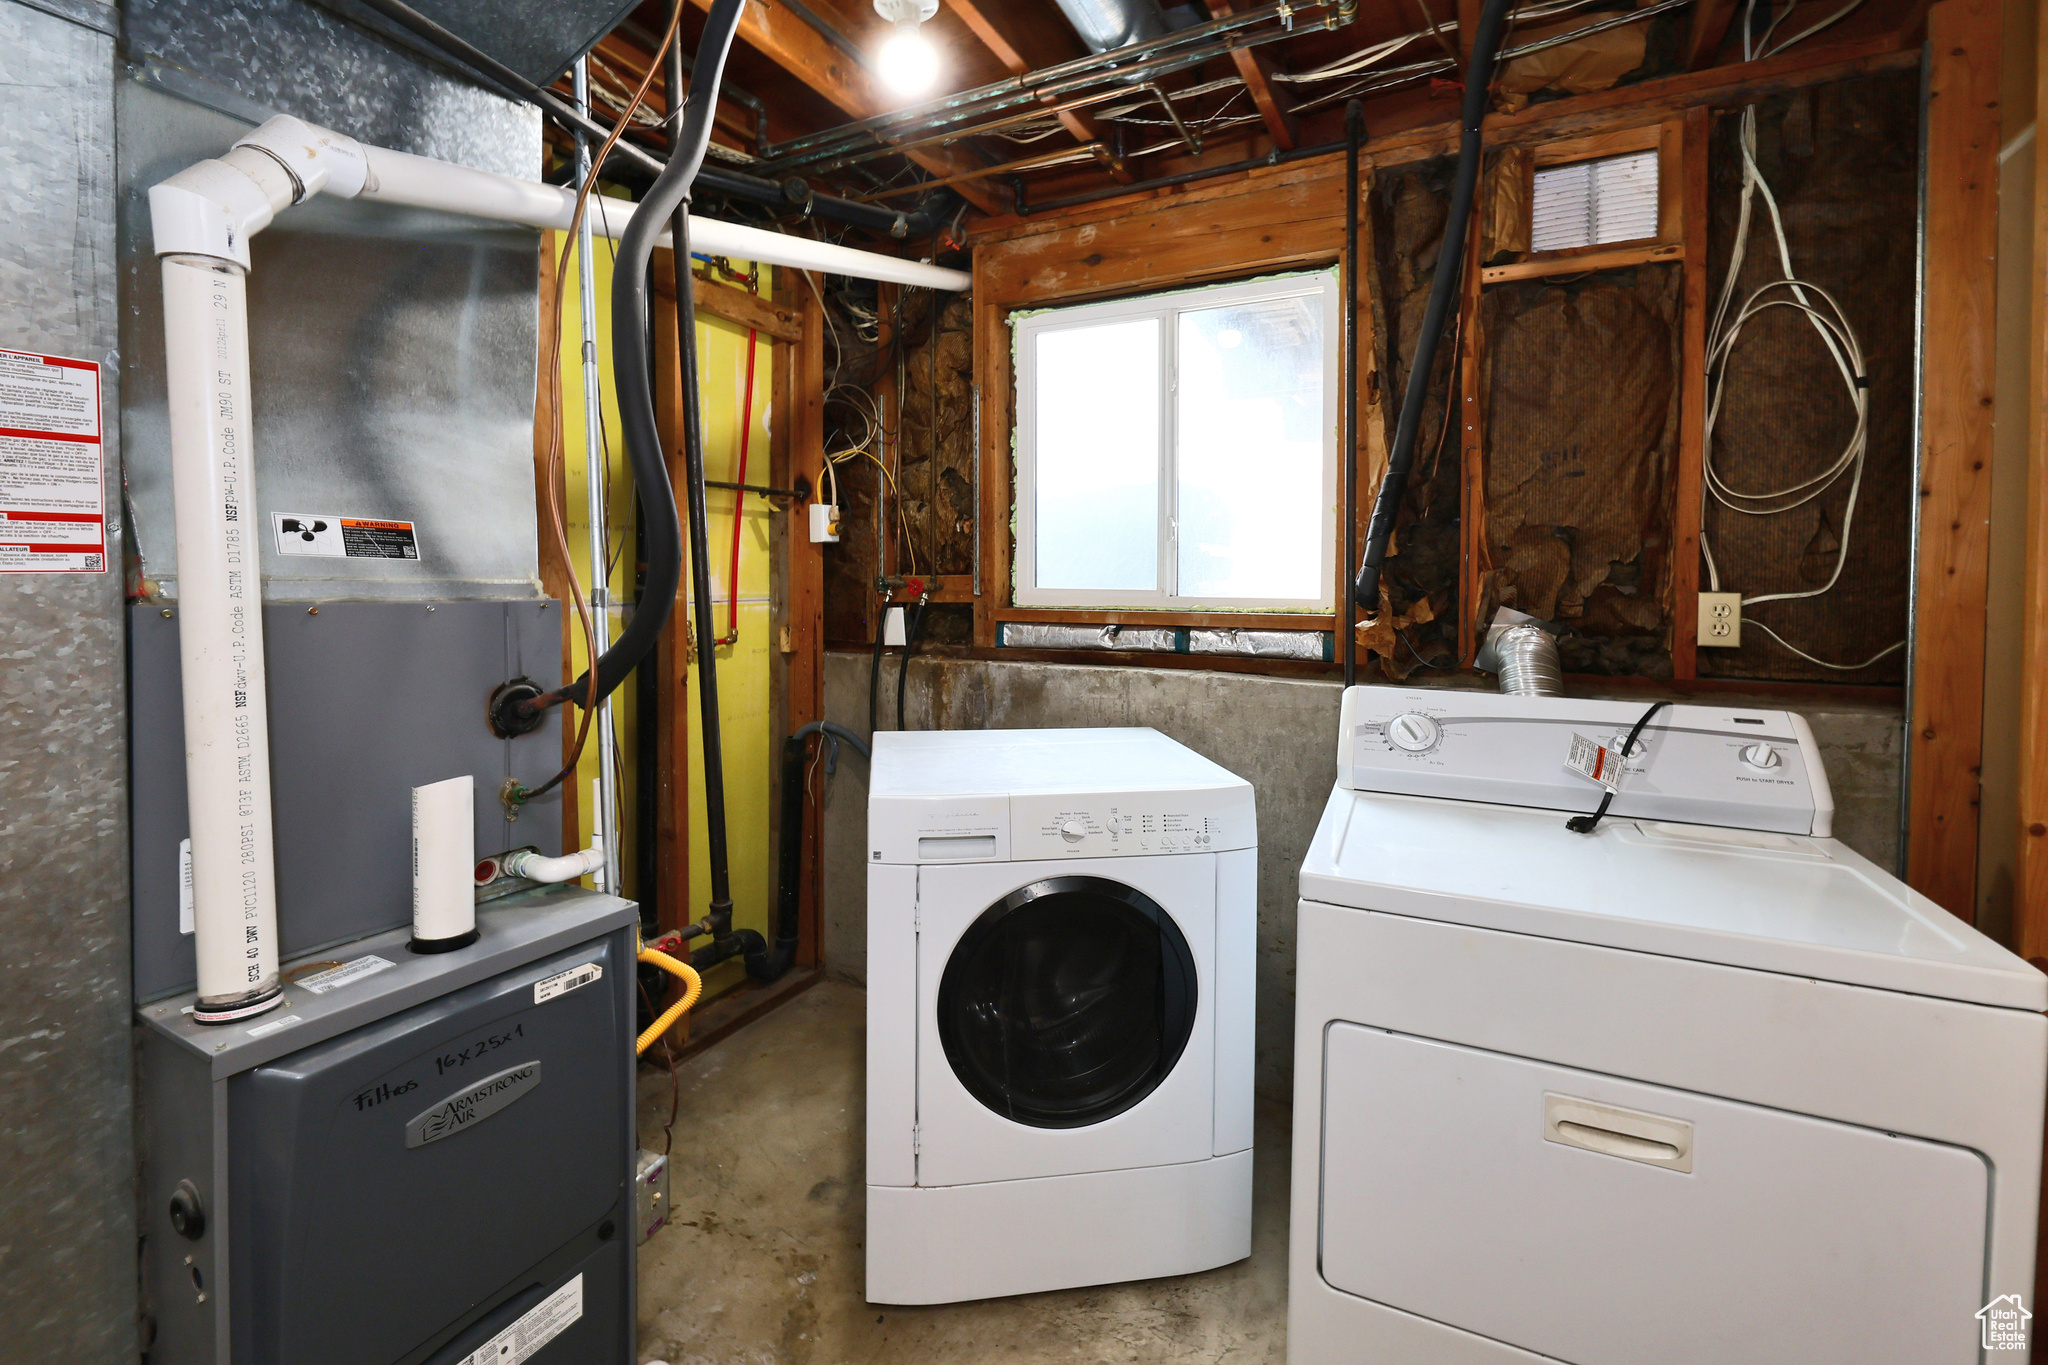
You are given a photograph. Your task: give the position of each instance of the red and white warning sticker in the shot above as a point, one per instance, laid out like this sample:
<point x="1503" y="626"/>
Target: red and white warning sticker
<point x="52" y="508"/>
<point x="1595" y="762"/>
<point x="330" y="536"/>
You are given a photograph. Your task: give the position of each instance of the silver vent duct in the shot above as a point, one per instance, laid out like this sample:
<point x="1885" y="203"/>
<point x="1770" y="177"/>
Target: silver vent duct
<point x="1107" y="24"/>
<point x="536" y="38"/>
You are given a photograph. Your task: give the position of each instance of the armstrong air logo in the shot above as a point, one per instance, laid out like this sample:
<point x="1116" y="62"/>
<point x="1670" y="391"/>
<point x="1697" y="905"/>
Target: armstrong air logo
<point x="472" y="1106"/>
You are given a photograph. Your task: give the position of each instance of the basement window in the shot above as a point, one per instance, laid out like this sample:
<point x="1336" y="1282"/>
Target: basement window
<point x="1592" y="203"/>
<point x="1178" y="452"/>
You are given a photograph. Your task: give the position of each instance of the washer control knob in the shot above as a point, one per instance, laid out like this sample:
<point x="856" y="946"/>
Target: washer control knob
<point x="1413" y="732"/>
<point x="1072" y="831"/>
<point x="1761" y="756"/>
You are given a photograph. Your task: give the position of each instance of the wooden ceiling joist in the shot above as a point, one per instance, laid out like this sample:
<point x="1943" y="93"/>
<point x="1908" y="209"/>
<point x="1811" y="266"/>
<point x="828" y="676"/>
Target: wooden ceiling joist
<point x="1709" y="28"/>
<point x="1256" y="70"/>
<point x="1025" y="42"/>
<point x="802" y="51"/>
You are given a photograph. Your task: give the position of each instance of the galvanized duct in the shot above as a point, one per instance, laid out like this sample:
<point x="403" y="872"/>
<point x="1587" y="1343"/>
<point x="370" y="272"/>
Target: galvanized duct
<point x="1107" y="24"/>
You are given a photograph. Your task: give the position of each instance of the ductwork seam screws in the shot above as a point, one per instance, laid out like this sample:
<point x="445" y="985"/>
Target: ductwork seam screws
<point x="312" y="611"/>
<point x="167" y="613"/>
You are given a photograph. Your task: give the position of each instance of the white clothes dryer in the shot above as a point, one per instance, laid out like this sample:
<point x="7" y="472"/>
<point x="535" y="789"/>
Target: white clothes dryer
<point x="1061" y="938"/>
<point x="1699" y="1085"/>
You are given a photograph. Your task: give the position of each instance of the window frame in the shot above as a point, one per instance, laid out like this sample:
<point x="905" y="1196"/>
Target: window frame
<point x="1323" y="283"/>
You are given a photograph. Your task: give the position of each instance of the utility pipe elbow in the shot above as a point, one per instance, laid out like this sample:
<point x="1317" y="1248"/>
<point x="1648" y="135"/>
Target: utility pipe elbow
<point x="213" y="208"/>
<point x="535" y="867"/>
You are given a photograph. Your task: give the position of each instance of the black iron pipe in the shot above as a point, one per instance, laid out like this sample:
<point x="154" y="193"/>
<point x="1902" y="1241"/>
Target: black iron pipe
<point x="1450" y="265"/>
<point x="771" y="963"/>
<point x="1354" y="136"/>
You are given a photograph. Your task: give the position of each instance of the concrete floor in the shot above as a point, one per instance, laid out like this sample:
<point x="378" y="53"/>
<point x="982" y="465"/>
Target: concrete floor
<point x="761" y="1262"/>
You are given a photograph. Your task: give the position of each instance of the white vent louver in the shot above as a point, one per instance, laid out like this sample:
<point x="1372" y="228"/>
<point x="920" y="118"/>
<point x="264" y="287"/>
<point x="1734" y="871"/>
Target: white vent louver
<point x="1586" y="203"/>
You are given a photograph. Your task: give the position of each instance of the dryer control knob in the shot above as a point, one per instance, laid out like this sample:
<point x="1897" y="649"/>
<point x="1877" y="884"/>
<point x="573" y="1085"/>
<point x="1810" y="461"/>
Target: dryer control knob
<point x="1761" y="756"/>
<point x="1072" y="831"/>
<point x="1413" y="732"/>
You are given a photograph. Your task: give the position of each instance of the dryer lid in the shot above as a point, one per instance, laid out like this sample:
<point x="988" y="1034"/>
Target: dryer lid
<point x="1772" y="902"/>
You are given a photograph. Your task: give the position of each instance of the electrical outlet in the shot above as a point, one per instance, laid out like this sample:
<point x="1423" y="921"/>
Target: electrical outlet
<point x="1720" y="620"/>
<point x="824" y="523"/>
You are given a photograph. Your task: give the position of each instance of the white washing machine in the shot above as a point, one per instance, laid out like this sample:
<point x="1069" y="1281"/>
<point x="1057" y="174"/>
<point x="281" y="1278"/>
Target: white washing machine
<point x="1061" y="933"/>
<point x="1701" y="1085"/>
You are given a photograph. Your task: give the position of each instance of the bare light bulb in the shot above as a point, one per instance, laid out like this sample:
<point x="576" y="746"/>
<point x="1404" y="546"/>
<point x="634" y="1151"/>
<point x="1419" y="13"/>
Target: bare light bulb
<point x="907" y="62"/>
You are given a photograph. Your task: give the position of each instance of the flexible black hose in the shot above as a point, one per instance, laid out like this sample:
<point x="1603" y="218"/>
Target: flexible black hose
<point x="903" y="669"/>
<point x="1354" y="134"/>
<point x="1450" y="265"/>
<point x="633" y="371"/>
<point x="770" y="963"/>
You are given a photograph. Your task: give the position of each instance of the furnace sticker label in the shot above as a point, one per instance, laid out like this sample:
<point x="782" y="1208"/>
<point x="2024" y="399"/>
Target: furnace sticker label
<point x="265" y="1030"/>
<point x="186" y="910"/>
<point x="322" y="982"/>
<point x="328" y="535"/>
<point x="536" y="1327"/>
<point x="1595" y="762"/>
<point x="561" y="983"/>
<point x="52" y="517"/>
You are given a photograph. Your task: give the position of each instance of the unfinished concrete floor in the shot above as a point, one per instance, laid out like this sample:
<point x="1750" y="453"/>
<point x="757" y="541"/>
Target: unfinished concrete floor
<point x="761" y="1263"/>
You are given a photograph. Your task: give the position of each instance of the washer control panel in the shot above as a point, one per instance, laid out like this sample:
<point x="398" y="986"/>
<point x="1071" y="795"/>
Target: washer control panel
<point x="1131" y="824"/>
<point x="1708" y="765"/>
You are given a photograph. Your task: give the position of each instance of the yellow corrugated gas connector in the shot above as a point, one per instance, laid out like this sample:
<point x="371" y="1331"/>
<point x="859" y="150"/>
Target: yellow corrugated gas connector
<point x="693" y="986"/>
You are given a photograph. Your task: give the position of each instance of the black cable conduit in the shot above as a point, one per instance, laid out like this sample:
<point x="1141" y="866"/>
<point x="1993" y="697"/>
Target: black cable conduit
<point x="1450" y="264"/>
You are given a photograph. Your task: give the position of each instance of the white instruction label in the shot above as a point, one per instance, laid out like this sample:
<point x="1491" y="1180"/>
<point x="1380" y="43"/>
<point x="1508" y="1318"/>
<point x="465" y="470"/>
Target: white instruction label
<point x="536" y="1327"/>
<point x="185" y="910"/>
<point x="263" y="1030"/>
<point x="322" y="982"/>
<point x="1595" y="762"/>
<point x="561" y="983"/>
<point x="52" y="517"/>
<point x="326" y="535"/>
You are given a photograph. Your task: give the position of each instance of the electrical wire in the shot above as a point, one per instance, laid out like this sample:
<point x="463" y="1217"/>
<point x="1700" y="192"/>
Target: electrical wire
<point x="1829" y="321"/>
<point x="554" y="465"/>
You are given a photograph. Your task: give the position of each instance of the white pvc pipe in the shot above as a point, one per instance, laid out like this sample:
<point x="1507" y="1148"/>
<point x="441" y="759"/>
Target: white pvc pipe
<point x="220" y="632"/>
<point x="444" y="863"/>
<point x="567" y="868"/>
<point x="419" y="182"/>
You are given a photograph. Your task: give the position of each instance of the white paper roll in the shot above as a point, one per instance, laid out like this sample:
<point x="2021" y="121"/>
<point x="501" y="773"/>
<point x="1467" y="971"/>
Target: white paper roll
<point x="444" y="860"/>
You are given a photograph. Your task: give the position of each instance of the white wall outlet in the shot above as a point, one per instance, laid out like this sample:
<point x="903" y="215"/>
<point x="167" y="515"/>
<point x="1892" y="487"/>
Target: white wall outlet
<point x="824" y="523"/>
<point x="892" y="628"/>
<point x="1720" y="620"/>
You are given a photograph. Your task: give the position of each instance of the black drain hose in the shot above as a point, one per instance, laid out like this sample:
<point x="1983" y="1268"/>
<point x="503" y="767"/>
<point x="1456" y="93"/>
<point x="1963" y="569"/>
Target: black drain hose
<point x="1450" y="264"/>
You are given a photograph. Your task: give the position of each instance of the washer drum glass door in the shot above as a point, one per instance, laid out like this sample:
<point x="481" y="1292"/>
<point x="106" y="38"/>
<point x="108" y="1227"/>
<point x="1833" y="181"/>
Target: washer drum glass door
<point x="1067" y="1002"/>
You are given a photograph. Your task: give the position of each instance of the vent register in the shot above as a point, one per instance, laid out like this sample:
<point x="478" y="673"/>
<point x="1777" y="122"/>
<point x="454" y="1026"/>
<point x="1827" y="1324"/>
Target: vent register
<point x="1592" y="203"/>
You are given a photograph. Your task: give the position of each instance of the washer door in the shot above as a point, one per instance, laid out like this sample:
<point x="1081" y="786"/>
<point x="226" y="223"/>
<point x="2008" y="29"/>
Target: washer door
<point x="1067" y="1002"/>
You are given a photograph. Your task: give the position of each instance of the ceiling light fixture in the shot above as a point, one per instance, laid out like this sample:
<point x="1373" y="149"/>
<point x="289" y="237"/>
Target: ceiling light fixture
<point x="907" y="62"/>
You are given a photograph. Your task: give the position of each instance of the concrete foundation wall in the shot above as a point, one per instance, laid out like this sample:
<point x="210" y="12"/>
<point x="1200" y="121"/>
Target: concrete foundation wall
<point x="1278" y="733"/>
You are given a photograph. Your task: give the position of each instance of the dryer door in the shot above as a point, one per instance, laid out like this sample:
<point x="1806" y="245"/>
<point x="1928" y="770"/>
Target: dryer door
<point x="1064" y="1017"/>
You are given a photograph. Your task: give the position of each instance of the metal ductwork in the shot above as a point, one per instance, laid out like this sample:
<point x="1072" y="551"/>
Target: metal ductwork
<point x="536" y="38"/>
<point x="1107" y="24"/>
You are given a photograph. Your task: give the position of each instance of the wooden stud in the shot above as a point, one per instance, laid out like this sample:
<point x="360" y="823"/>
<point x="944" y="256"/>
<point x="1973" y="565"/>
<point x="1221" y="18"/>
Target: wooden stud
<point x="1945" y="731"/>
<point x="803" y="457"/>
<point x="1580" y="260"/>
<point x="796" y="47"/>
<point x="1467" y="409"/>
<point x="2030" y="896"/>
<point x="1692" y="399"/>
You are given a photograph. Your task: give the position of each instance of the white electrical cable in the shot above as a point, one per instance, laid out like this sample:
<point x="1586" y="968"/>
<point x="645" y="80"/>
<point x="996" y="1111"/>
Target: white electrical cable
<point x="1831" y="323"/>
